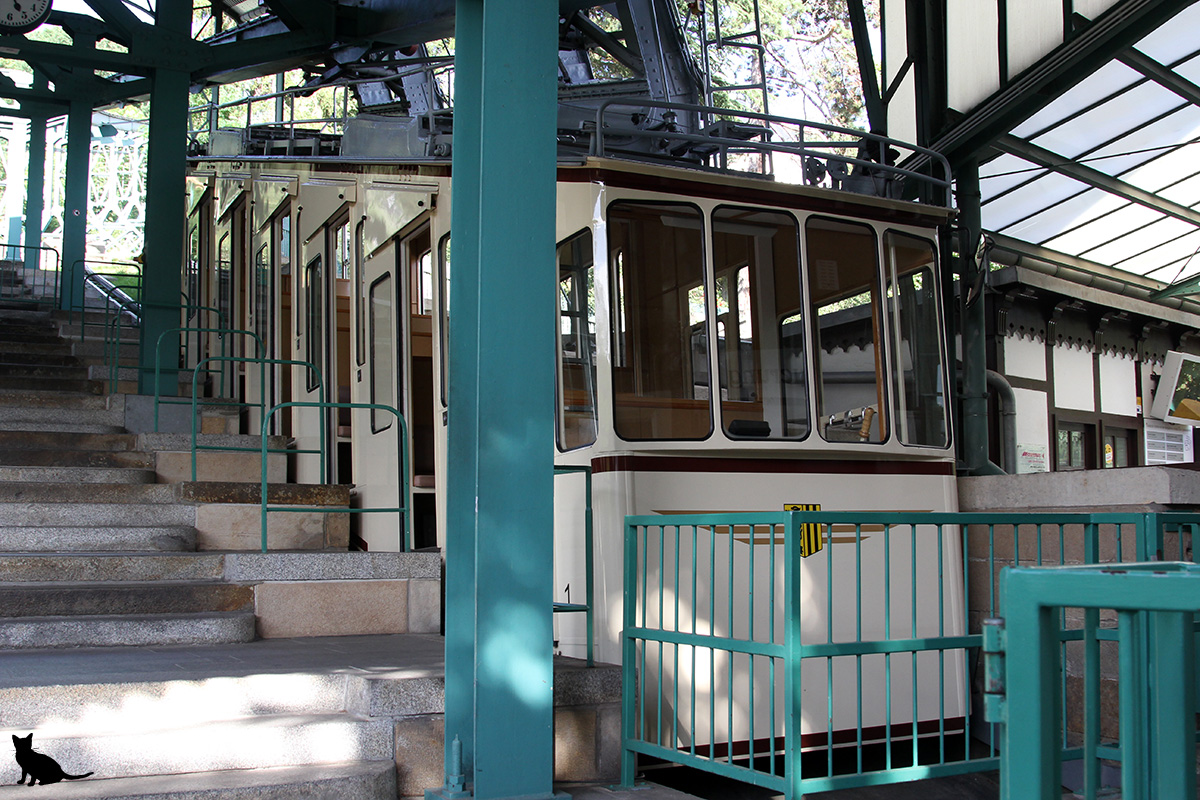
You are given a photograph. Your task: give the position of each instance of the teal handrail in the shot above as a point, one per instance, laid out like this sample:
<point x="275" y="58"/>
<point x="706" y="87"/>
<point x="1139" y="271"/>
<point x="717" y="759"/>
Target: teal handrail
<point x="402" y="488"/>
<point x="588" y="607"/>
<point x="9" y="289"/>
<point x="112" y="334"/>
<point x="158" y="398"/>
<point x="262" y="405"/>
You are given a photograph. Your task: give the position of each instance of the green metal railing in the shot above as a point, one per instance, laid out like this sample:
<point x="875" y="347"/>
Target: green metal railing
<point x="812" y="651"/>
<point x="262" y="405"/>
<point x="402" y="489"/>
<point x="222" y="334"/>
<point x="1155" y="606"/>
<point x="26" y="280"/>
<point x="587" y="607"/>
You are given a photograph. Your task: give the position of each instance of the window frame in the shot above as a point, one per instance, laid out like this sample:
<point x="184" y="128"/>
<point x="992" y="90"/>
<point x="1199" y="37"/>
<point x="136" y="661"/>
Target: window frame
<point x="371" y="338"/>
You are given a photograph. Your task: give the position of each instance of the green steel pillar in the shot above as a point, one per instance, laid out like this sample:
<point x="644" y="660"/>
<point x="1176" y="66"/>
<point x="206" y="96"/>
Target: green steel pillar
<point x="75" y="202"/>
<point x="974" y="325"/>
<point x="166" y="186"/>
<point x="499" y="666"/>
<point x="35" y="192"/>
<point x="166" y="209"/>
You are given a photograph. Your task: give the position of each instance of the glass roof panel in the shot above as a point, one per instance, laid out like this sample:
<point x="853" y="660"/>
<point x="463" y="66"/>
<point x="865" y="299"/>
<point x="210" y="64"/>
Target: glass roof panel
<point x="1110" y="120"/>
<point x="1140" y="239"/>
<point x="1110" y="78"/>
<point x="1068" y="214"/>
<point x="1101" y="230"/>
<point x="1016" y="205"/>
<point x="1165" y="170"/>
<point x="1005" y="172"/>
<point x="1164" y="261"/>
<point x="1131" y="150"/>
<point x="1170" y="42"/>
<point x="1187" y="191"/>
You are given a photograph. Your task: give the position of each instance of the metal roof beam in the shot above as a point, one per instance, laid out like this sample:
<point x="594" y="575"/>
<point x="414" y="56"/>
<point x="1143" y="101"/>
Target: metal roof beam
<point x="1117" y="29"/>
<point x="1160" y="74"/>
<point x="1093" y="177"/>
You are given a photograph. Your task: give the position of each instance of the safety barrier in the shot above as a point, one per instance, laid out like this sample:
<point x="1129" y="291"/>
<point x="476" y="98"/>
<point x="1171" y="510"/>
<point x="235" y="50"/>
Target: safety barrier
<point x="587" y="607"/>
<point x="402" y="490"/>
<point x="221" y="333"/>
<point x="811" y="651"/>
<point x="1155" y="605"/>
<point x="262" y="405"/>
<point x="25" y="279"/>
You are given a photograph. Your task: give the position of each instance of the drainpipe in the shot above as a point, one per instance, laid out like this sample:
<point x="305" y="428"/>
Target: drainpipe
<point x="1008" y="419"/>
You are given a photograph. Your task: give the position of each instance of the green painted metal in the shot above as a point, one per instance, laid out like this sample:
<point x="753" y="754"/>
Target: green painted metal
<point x="403" y="506"/>
<point x="222" y="333"/>
<point x="35" y="191"/>
<point x="1155" y="603"/>
<point x="40" y="278"/>
<point x="261" y="405"/>
<point x="499" y="539"/>
<point x="75" y="199"/>
<point x="166" y="182"/>
<point x="654" y="543"/>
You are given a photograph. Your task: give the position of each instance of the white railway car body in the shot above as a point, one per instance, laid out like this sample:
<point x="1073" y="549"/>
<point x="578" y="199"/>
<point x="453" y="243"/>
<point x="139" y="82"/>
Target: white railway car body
<point x="827" y="383"/>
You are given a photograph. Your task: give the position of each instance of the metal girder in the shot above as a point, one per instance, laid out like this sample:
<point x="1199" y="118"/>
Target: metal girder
<point x="1160" y="74"/>
<point x="69" y="55"/>
<point x="1118" y="28"/>
<point x="253" y="57"/>
<point x="609" y="42"/>
<point x="876" y="112"/>
<point x="308" y="15"/>
<point x="122" y="24"/>
<point x="1093" y="177"/>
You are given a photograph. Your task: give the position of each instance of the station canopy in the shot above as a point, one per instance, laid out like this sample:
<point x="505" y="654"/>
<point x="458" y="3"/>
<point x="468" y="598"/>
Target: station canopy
<point x="1109" y="171"/>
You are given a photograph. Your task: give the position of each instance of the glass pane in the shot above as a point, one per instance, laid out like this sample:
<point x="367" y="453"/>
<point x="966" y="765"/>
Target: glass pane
<point x="1076" y="448"/>
<point x="262" y="295"/>
<point x="1109" y="452"/>
<point x="383" y="381"/>
<point x="1121" y="450"/>
<point x="1064" y="449"/>
<point x="576" y="342"/>
<point x="760" y="355"/>
<point x="314" y="309"/>
<point x="660" y="347"/>
<point x="843" y="278"/>
<point x="224" y="280"/>
<point x="193" y="278"/>
<point x="360" y="355"/>
<point x="444" y="296"/>
<point x="916" y="341"/>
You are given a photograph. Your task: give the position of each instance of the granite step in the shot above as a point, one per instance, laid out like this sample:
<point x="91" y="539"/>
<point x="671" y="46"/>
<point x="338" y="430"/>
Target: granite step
<point x="69" y="492"/>
<point x="65" y="441"/>
<point x="58" y="426"/>
<point x="25" y="600"/>
<point x="18" y="567"/>
<point x="42" y="383"/>
<point x="77" y="458"/>
<point x="368" y="780"/>
<point x="22" y="398"/>
<point x="126" y="630"/>
<point x="69" y="474"/>
<point x="100" y="515"/>
<point x="130" y="534"/>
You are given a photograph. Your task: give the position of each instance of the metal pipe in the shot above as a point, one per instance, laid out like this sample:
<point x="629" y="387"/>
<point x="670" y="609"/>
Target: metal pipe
<point x="1008" y="419"/>
<point x="972" y="307"/>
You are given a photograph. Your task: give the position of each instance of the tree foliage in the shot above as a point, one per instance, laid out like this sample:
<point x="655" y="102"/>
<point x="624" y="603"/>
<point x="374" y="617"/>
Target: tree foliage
<point x="808" y="54"/>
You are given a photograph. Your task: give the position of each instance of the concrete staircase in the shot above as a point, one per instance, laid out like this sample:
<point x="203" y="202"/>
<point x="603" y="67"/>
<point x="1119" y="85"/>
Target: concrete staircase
<point x="144" y="638"/>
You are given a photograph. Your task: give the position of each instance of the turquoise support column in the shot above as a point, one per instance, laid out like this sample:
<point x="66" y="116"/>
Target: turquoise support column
<point x="166" y="176"/>
<point x="499" y="539"/>
<point x="75" y="203"/>
<point x="35" y="192"/>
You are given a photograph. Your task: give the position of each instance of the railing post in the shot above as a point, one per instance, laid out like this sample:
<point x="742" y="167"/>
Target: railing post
<point x="792" y="716"/>
<point x="628" y="659"/>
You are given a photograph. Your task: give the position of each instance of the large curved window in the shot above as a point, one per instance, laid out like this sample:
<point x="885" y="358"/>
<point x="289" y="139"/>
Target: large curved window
<point x="660" y="342"/>
<point x="576" y="342"/>
<point x="843" y="279"/>
<point x="760" y="324"/>
<point x="915" y="339"/>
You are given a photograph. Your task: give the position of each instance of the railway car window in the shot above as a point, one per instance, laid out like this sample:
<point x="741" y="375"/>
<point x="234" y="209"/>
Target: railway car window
<point x="916" y="342"/>
<point x="443" y="285"/>
<point x="225" y="280"/>
<point x="760" y="354"/>
<point x="383" y="383"/>
<point x="660" y="372"/>
<point x="576" y="342"/>
<point x="193" y="275"/>
<point x="341" y="250"/>
<point x="314" y="310"/>
<point x="360" y="347"/>
<point x="262" y="294"/>
<point x="843" y="277"/>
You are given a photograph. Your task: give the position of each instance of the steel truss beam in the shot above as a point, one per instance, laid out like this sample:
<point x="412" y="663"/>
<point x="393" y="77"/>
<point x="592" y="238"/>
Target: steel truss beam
<point x="1095" y="178"/>
<point x="1160" y="74"/>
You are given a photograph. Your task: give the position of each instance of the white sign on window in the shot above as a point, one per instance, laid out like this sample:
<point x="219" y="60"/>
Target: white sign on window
<point x="1167" y="443"/>
<point x="1032" y="458"/>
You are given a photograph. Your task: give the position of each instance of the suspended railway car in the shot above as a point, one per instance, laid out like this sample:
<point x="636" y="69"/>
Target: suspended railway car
<point x="725" y="343"/>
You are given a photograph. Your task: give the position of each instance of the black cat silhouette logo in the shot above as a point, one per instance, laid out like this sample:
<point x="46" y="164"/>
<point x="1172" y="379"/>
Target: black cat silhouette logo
<point x="38" y="766"/>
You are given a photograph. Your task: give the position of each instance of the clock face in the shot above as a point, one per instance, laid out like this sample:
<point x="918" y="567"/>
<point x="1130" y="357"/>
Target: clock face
<point x="22" y="16"/>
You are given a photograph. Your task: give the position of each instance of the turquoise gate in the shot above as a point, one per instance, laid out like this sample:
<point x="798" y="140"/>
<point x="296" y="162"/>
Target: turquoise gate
<point x="749" y="656"/>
